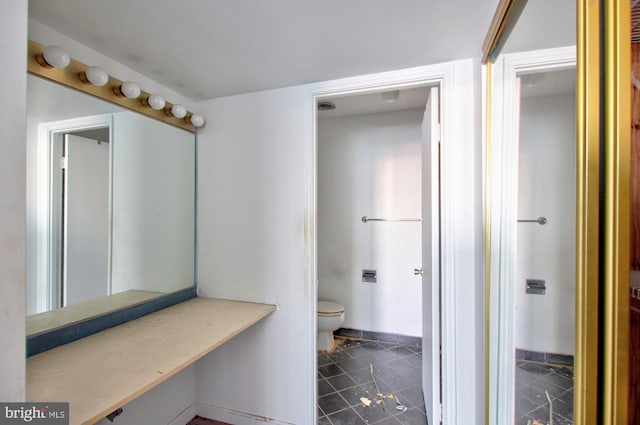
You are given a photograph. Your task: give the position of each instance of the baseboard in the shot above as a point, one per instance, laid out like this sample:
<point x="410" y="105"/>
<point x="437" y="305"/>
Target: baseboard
<point x="232" y="416"/>
<point x="379" y="336"/>
<point x="543" y="357"/>
<point x="185" y="416"/>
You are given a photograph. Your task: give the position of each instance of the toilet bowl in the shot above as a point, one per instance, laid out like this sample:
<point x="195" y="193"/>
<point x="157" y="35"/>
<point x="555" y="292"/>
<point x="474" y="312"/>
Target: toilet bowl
<point x="330" y="318"/>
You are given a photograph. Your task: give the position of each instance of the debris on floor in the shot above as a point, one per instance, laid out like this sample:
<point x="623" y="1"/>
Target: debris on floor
<point x="400" y="407"/>
<point x="365" y="401"/>
<point x="546" y="393"/>
<point x="378" y="393"/>
<point x="536" y="422"/>
<point x="396" y="367"/>
<point x="380" y="397"/>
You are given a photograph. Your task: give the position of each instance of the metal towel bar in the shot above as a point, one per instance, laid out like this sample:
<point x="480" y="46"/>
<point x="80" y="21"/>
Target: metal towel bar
<point x="366" y="219"/>
<point x="539" y="220"/>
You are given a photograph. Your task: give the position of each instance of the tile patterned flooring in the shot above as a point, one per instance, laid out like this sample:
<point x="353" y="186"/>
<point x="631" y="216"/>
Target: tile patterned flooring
<point x="199" y="420"/>
<point x="532" y="379"/>
<point x="344" y="376"/>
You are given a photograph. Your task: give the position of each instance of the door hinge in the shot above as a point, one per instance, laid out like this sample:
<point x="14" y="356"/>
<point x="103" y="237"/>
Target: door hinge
<point x="63" y="162"/>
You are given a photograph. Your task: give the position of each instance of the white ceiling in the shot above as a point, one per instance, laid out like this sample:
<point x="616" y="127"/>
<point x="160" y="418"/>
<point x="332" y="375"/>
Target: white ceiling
<point x="211" y="48"/>
<point x="370" y="103"/>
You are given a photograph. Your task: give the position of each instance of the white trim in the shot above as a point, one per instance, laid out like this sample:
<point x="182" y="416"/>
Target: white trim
<point x="44" y="230"/>
<point x="460" y="344"/>
<point x="185" y="416"/>
<point x="235" y="417"/>
<point x="503" y="190"/>
<point x="459" y="287"/>
<point x="431" y="287"/>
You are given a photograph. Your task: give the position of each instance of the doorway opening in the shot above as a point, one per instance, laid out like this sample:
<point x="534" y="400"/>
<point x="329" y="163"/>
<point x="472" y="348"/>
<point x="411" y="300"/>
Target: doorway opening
<point x="74" y="209"/>
<point x="378" y="240"/>
<point x="80" y="208"/>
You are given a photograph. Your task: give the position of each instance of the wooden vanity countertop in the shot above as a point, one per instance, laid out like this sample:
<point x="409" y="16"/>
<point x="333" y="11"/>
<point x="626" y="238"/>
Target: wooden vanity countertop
<point x="105" y="371"/>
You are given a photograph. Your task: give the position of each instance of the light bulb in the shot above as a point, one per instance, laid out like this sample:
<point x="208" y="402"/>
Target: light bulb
<point x="156" y="102"/>
<point x="197" y="120"/>
<point x="56" y="57"/>
<point x="130" y="90"/>
<point x="96" y="76"/>
<point x="178" y="111"/>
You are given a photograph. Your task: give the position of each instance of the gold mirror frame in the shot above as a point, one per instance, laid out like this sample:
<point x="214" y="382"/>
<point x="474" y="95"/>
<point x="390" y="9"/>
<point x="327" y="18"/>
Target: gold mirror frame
<point x="602" y="313"/>
<point x="585" y="405"/>
<point x="616" y="267"/>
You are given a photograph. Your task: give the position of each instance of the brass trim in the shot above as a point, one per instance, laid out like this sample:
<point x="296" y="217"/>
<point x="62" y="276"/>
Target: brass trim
<point x="71" y="77"/>
<point x="487" y="242"/>
<point x="495" y="29"/>
<point x="503" y="21"/>
<point x="587" y="212"/>
<point x="617" y="101"/>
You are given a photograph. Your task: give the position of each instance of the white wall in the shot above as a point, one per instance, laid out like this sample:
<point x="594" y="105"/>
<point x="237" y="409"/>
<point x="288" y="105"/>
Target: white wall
<point x="253" y="228"/>
<point x="171" y="402"/>
<point x="546" y="187"/>
<point x="13" y="33"/>
<point x="371" y="165"/>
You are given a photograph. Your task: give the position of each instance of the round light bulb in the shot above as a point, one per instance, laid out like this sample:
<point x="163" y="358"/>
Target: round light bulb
<point x="56" y="56"/>
<point x="156" y="102"/>
<point x="96" y="76"/>
<point x="178" y="111"/>
<point x="130" y="90"/>
<point x="197" y="120"/>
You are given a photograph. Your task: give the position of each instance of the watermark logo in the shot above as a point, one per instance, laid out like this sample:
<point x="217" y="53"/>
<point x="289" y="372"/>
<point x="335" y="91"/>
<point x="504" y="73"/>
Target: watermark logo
<point x="34" y="413"/>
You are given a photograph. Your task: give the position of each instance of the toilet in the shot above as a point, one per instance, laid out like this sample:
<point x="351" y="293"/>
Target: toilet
<point x="330" y="318"/>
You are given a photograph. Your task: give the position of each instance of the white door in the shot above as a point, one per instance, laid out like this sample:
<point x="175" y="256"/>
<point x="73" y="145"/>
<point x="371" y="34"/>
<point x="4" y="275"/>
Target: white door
<point x="431" y="257"/>
<point x="86" y="220"/>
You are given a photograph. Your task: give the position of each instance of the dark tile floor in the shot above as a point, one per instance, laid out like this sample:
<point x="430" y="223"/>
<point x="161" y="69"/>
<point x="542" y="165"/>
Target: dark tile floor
<point x="344" y="376"/>
<point x="199" y="420"/>
<point x="532" y="379"/>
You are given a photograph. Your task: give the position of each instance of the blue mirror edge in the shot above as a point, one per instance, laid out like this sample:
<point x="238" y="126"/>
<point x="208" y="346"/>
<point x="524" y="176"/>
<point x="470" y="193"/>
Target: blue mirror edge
<point x="40" y="343"/>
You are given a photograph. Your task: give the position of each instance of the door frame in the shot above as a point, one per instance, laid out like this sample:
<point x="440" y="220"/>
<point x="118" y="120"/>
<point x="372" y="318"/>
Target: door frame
<point x="462" y="316"/>
<point x="502" y="192"/>
<point x="430" y="240"/>
<point x="48" y="264"/>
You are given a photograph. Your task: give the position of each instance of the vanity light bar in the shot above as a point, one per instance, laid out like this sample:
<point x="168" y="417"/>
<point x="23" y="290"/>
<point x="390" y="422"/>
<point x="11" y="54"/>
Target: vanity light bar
<point x="96" y="82"/>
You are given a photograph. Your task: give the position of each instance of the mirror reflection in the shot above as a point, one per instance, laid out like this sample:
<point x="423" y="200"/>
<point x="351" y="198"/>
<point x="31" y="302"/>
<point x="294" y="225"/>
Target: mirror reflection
<point x="545" y="253"/>
<point x="111" y="207"/>
<point x="634" y="248"/>
<point x="536" y="366"/>
<point x="543" y="24"/>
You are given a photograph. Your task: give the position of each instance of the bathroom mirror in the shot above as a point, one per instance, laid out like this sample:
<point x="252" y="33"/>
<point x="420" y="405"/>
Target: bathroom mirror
<point x="532" y="184"/>
<point x="110" y="207"/>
